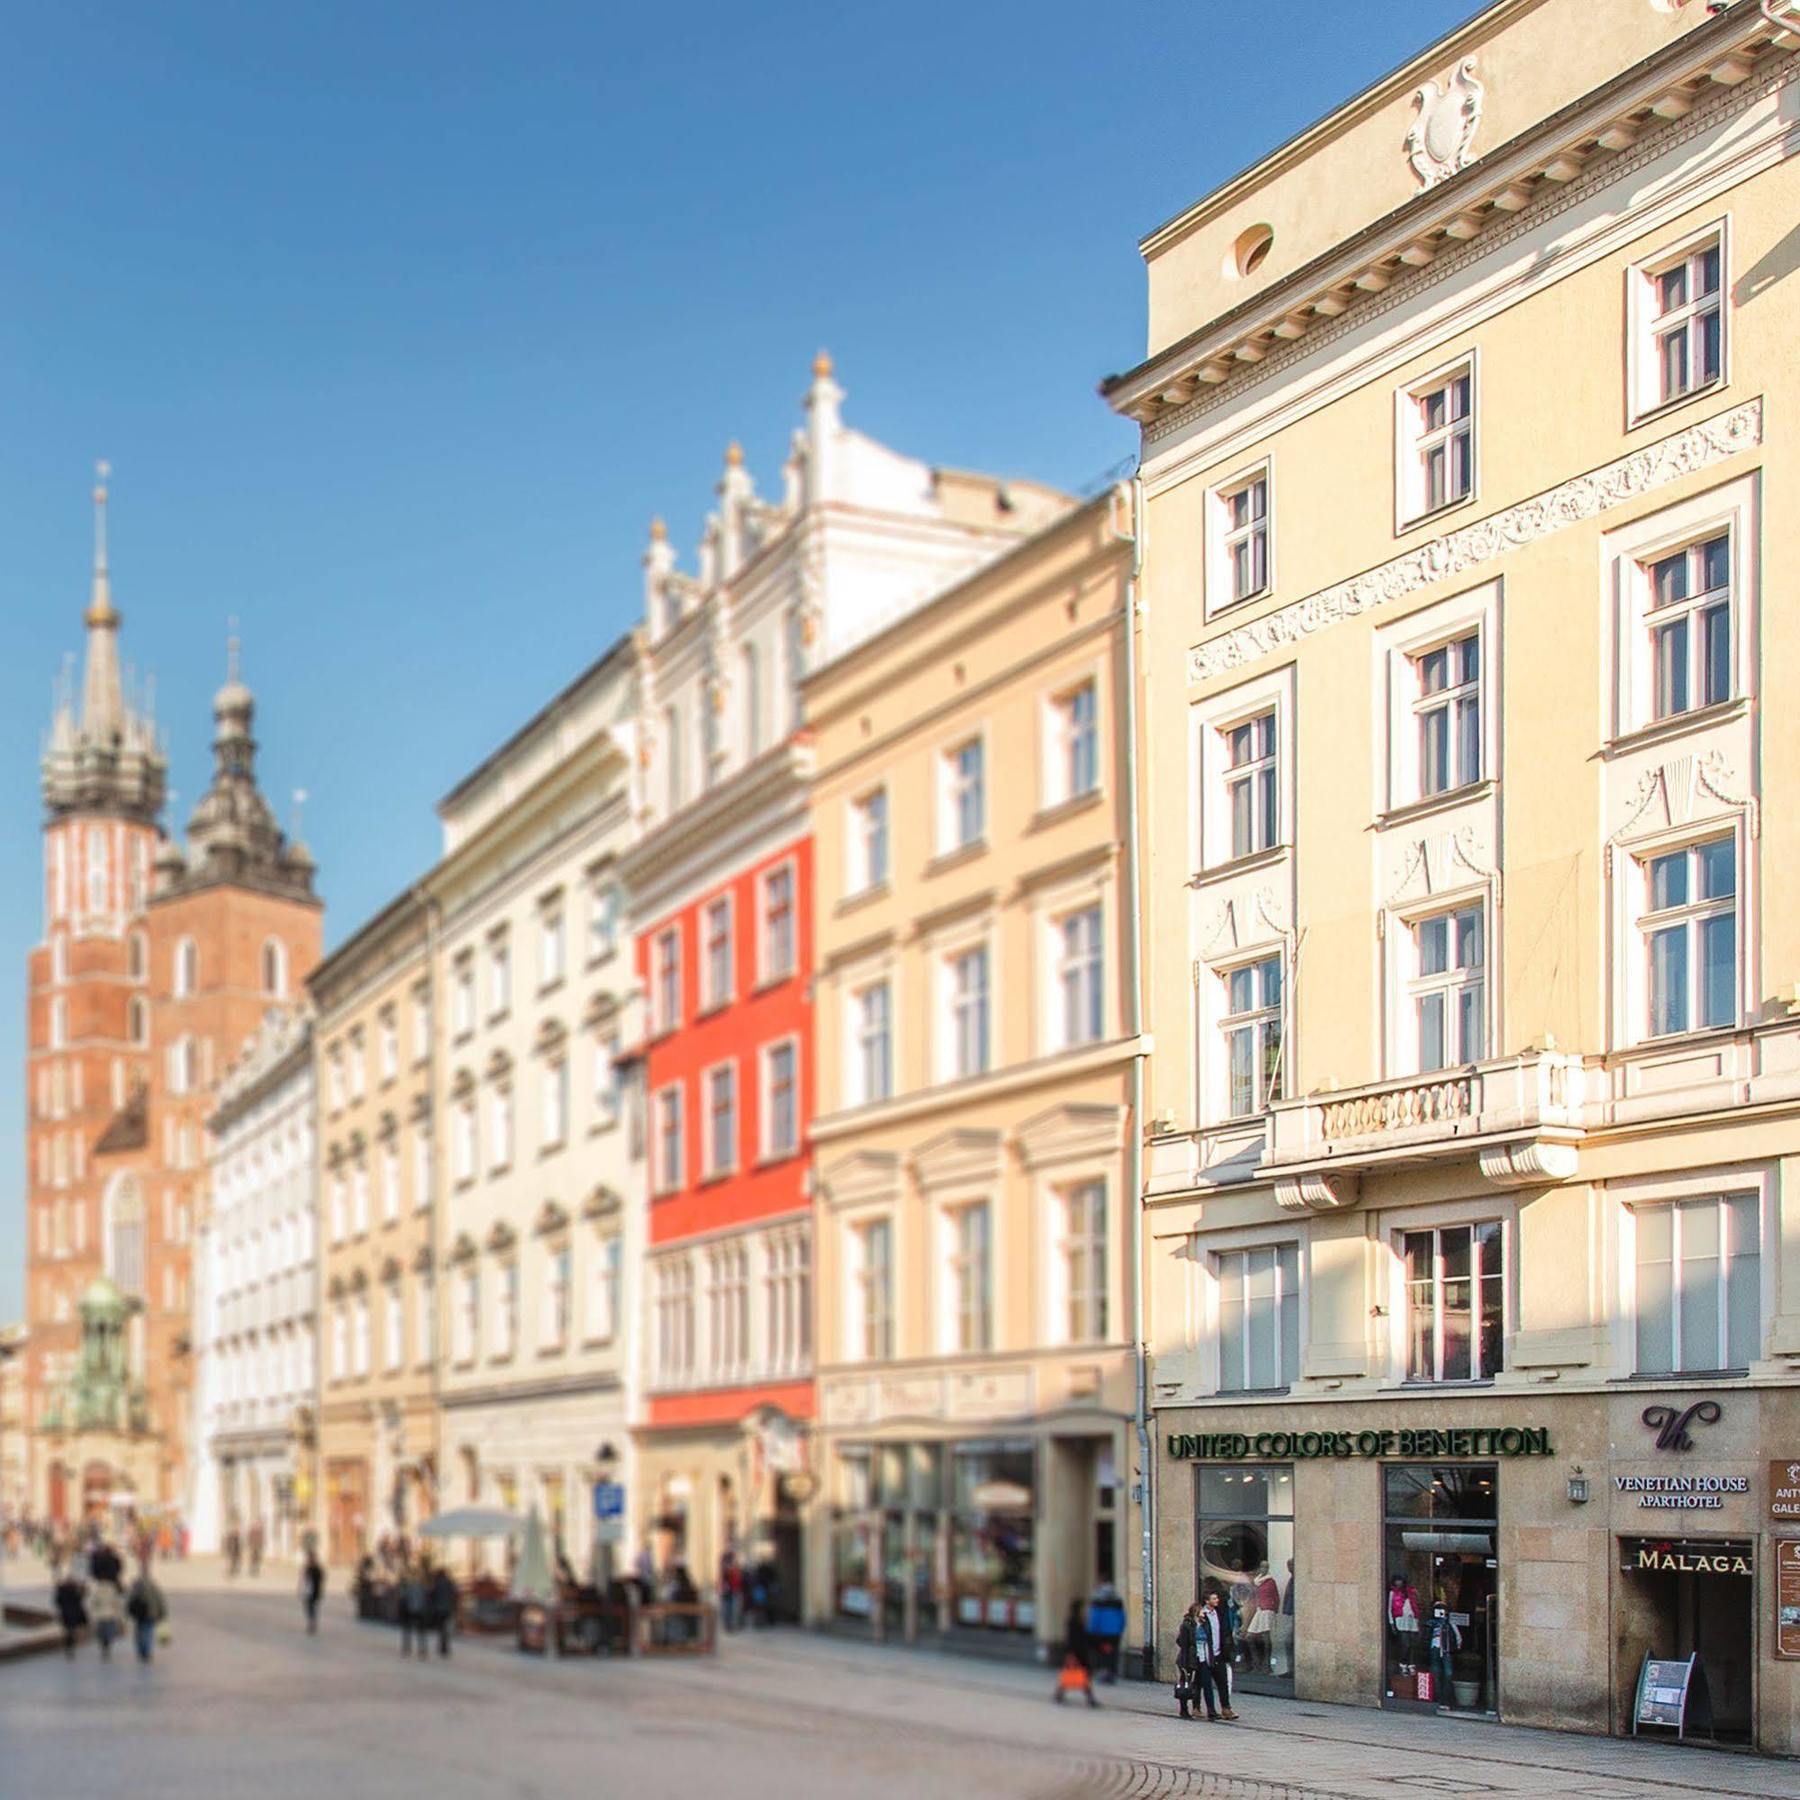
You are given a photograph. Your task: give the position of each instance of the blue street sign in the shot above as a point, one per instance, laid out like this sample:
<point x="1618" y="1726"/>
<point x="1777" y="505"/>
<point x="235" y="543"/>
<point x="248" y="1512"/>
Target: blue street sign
<point x="609" y="1500"/>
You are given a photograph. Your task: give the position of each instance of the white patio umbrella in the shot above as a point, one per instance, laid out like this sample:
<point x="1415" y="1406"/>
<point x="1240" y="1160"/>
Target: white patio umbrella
<point x="473" y="1522"/>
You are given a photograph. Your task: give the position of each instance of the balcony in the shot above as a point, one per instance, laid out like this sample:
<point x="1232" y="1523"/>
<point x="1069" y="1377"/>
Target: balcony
<point x="1521" y="1117"/>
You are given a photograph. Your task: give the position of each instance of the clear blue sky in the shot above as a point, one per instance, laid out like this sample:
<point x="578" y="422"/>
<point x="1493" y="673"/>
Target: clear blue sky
<point x="398" y="323"/>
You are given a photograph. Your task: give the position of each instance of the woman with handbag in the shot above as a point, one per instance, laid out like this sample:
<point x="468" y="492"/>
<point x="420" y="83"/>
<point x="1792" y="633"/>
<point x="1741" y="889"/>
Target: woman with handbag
<point x="1194" y="1652"/>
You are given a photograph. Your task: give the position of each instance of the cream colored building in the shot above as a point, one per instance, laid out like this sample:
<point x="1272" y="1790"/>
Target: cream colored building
<point x="976" y="1199"/>
<point x="1472" y="1205"/>
<point x="377" y="1468"/>
<point x="15" y="1488"/>
<point x="542" y="1203"/>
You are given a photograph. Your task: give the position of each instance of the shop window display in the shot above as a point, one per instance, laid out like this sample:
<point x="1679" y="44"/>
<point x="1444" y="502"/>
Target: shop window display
<point x="1245" y="1553"/>
<point x="1440" y="1609"/>
<point x="992" y="1537"/>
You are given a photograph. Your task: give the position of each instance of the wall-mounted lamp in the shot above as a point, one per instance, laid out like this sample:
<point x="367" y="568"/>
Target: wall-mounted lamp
<point x="1578" y="1488"/>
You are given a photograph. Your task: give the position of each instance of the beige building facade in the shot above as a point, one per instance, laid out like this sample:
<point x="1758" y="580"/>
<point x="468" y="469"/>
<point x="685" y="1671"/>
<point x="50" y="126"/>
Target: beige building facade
<point x="975" y="1015"/>
<point x="1473" y="1232"/>
<point x="542" y="1212"/>
<point x="375" y="1074"/>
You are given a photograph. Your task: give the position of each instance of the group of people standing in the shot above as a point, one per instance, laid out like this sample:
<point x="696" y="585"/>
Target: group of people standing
<point x="747" y="1593"/>
<point x="427" y="1597"/>
<point x="1204" y="1647"/>
<point x="89" y="1590"/>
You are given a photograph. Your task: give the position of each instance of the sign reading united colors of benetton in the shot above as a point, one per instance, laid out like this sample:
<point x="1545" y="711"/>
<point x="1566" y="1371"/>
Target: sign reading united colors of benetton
<point x="1419" y="1441"/>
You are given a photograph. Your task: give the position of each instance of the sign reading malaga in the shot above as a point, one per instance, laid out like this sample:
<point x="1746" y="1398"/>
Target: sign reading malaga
<point x="1420" y="1441"/>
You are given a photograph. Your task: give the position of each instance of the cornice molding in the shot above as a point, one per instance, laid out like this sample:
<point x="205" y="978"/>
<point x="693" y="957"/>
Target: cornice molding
<point x="1571" y="502"/>
<point x="1312" y="311"/>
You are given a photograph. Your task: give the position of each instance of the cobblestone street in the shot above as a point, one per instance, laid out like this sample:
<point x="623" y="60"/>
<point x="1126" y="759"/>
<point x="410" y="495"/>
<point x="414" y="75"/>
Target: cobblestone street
<point x="243" y="1702"/>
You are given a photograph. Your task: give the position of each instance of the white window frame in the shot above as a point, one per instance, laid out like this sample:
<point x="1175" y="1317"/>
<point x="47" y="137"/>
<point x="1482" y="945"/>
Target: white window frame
<point x="1733" y="512"/>
<point x="713" y="1165"/>
<point x="1644" y="396"/>
<point x="667" y="1177"/>
<point x="712" y="997"/>
<point x="557" y="1099"/>
<point x="1060" y="781"/>
<point x="1223" y="535"/>
<point x="1469" y="1216"/>
<point x="502" y="1127"/>
<point x="951" y="1260"/>
<point x="864" y="872"/>
<point x="1228" y="1023"/>
<point x="464" y="1000"/>
<point x="1210" y="724"/>
<point x="1059" y="966"/>
<point x="1414" y="440"/>
<point x="858" y="1038"/>
<point x="769" y="1150"/>
<point x="603" y="909"/>
<point x="859" y="1317"/>
<point x="946" y="1026"/>
<point x="499" y="966"/>
<point x="767" y="972"/>
<point x="951" y="787"/>
<point x="665" y="971"/>
<point x="1451" y="982"/>
<point x="553" y="945"/>
<point x="1688" y="917"/>
<point x="1218" y="1254"/>
<point x="1399" y="781"/>
<point x="1073" y="1237"/>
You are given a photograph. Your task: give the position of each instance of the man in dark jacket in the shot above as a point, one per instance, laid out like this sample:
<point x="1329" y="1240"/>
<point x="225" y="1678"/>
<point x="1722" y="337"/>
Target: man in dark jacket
<point x="312" y="1587"/>
<point x="71" y="1607"/>
<point x="441" y="1604"/>
<point x="1226" y="1647"/>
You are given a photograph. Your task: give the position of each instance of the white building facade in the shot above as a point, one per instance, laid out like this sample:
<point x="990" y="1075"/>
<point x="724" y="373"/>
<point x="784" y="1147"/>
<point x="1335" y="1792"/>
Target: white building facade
<point x="538" y="1230"/>
<point x="256" y="1300"/>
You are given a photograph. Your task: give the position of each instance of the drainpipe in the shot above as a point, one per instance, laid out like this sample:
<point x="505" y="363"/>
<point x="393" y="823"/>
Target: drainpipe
<point x="1134" y="1141"/>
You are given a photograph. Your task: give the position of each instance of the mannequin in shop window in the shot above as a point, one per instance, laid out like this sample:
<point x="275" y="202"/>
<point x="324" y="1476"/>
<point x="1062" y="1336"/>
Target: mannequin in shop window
<point x="1403" y="1623"/>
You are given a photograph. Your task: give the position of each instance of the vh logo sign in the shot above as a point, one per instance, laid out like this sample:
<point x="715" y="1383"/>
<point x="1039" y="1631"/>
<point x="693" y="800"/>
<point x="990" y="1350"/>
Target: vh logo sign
<point x="1671" y="1426"/>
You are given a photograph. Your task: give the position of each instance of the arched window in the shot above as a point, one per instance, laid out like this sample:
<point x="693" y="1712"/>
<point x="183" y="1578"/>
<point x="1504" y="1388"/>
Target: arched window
<point x="137" y="1019"/>
<point x="59" y="1022"/>
<point x="122" y="1228"/>
<point x="187" y="968"/>
<point x="135" y="958"/>
<point x="274" y="969"/>
<point x="59" y="957"/>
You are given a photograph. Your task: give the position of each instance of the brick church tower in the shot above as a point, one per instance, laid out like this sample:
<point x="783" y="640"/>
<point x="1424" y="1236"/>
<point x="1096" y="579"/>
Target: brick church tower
<point x="147" y="1006"/>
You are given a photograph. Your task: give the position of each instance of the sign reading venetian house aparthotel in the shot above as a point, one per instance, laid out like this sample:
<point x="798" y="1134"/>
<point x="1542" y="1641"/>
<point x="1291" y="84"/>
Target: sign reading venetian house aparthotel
<point x="1682" y="1493"/>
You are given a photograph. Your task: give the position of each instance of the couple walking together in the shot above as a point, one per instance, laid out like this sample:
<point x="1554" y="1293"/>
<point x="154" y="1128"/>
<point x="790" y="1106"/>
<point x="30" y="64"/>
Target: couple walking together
<point x="1203" y="1652"/>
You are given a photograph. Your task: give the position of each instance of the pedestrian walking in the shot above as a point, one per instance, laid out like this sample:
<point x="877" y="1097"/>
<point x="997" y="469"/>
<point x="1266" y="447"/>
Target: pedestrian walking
<point x="412" y="1611"/>
<point x="1106" y="1629"/>
<point x="442" y="1604"/>
<point x="1224" y="1643"/>
<point x="234" y="1550"/>
<point x="71" y="1606"/>
<point x="149" y="1613"/>
<point x="1077" y="1674"/>
<point x="312" y="1588"/>
<point x="105" y="1564"/>
<point x="106" y="1602"/>
<point x="731" y="1590"/>
<point x="254" y="1543"/>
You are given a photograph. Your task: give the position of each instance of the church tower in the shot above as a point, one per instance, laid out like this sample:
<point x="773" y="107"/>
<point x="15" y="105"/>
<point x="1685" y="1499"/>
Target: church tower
<point x="158" y="964"/>
<point x="88" y="1016"/>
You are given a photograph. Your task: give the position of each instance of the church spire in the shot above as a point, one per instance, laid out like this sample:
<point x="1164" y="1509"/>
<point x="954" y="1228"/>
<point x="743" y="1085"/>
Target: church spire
<point x="102" y="703"/>
<point x="107" y="760"/>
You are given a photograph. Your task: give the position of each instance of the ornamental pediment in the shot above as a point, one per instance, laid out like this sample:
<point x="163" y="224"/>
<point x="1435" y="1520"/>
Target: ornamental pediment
<point x="964" y="1155"/>
<point x="1066" y="1132"/>
<point x="862" y="1178"/>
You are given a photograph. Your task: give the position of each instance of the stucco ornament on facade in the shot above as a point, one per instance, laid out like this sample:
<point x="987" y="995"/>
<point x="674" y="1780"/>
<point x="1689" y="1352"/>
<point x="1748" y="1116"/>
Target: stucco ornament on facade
<point x="1569" y="503"/>
<point x="1437" y="146"/>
